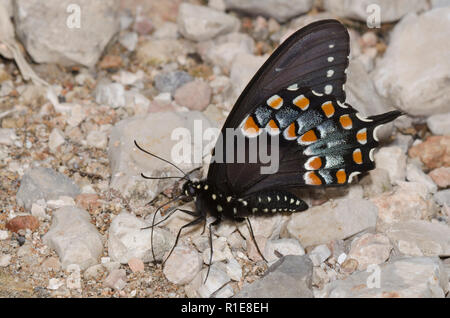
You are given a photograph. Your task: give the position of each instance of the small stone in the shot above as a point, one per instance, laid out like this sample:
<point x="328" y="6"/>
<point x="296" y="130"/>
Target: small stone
<point x="376" y="182"/>
<point x="93" y="272"/>
<point x="319" y="254"/>
<point x="7" y="136"/>
<point x="60" y="202"/>
<point x="434" y="152"/>
<point x="415" y="174"/>
<point x="143" y="25"/>
<point x="281" y="10"/>
<point x="194" y="95"/>
<point x="97" y="139"/>
<point x="169" y="82"/>
<point x="117" y="279"/>
<point x="199" y="23"/>
<point x="284" y="247"/>
<point x="216" y="279"/>
<point x="421" y="238"/>
<point x="51" y="264"/>
<point x="111" y="94"/>
<point x="439" y="124"/>
<point x="38" y="211"/>
<point x="331" y="221"/>
<point x="158" y="51"/>
<point x="370" y="249"/>
<point x="127" y="240"/>
<point x="168" y="30"/>
<point x="73" y="281"/>
<point x="55" y="283"/>
<point x="22" y="222"/>
<point x="88" y="201"/>
<point x="349" y="265"/>
<point x="4" y="235"/>
<point x="55" y="139"/>
<point x="5" y="260"/>
<point x="441" y="176"/>
<point x="233" y="269"/>
<point x="182" y="266"/>
<point x="129" y="40"/>
<point x="74" y="238"/>
<point x="418" y="277"/>
<point x="110" y="62"/>
<point x="289" y="277"/>
<point x="443" y="197"/>
<point x="136" y="265"/>
<point x="393" y="160"/>
<point x="77" y="114"/>
<point x="407" y="202"/>
<point x="221" y="251"/>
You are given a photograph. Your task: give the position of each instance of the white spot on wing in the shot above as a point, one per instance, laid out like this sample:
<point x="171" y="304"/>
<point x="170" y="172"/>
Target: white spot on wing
<point x="331" y="46"/>
<point x="328" y="89"/>
<point x="330" y="59"/>
<point x="317" y="94"/>
<point x="330" y="73"/>
<point x="293" y="87"/>
<point x="375" y="132"/>
<point x="362" y="118"/>
<point x="352" y="175"/>
<point x="371" y="154"/>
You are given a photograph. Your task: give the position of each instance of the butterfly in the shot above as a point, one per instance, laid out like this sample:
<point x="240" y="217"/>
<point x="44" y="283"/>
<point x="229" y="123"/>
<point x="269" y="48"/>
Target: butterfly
<point x="297" y="96"/>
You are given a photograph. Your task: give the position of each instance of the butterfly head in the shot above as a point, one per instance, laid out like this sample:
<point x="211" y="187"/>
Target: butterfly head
<point x="191" y="188"/>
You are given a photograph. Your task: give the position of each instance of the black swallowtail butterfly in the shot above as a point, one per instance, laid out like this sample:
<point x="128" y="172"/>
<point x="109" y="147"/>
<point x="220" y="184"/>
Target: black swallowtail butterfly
<point x="298" y="95"/>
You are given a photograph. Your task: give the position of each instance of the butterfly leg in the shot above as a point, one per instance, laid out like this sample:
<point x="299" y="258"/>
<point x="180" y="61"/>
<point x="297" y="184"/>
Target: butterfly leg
<point x="216" y="222"/>
<point x="193" y="222"/>
<point x="254" y="239"/>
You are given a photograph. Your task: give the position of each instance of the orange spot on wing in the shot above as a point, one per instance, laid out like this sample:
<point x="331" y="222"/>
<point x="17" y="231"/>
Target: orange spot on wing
<point x="308" y="137"/>
<point x="275" y="102"/>
<point x="341" y="176"/>
<point x="312" y="179"/>
<point x="250" y="127"/>
<point x="302" y="102"/>
<point x="361" y="136"/>
<point x="357" y="156"/>
<point x="315" y="163"/>
<point x="273" y="126"/>
<point x="290" y="132"/>
<point x="346" y="122"/>
<point x="328" y="109"/>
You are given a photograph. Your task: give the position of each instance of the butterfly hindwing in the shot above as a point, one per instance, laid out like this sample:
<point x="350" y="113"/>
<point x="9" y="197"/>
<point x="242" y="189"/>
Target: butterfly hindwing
<point x="326" y="143"/>
<point x="316" y="56"/>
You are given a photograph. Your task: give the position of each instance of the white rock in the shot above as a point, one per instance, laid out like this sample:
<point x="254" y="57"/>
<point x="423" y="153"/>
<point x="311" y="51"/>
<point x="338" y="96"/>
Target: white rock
<point x="284" y="246"/>
<point x="361" y="9"/>
<point x="55" y="139"/>
<point x="233" y="269"/>
<point x="414" y="77"/>
<point x="127" y="240"/>
<point x="415" y="174"/>
<point x="55" y="283"/>
<point x="319" y="254"/>
<point x="78" y="113"/>
<point x="129" y="40"/>
<point x="200" y="23"/>
<point x="225" y="292"/>
<point x="110" y="94"/>
<point x="370" y="249"/>
<point x="330" y="221"/>
<point x="221" y="251"/>
<point x="7" y="136"/>
<point x="243" y="69"/>
<point x="168" y="30"/>
<point x="60" y="202"/>
<point x="97" y="139"/>
<point x="38" y="211"/>
<point x="74" y="238"/>
<point x="3" y="235"/>
<point x="223" y="54"/>
<point x="421" y="238"/>
<point x="393" y="160"/>
<point x="60" y="39"/>
<point x="420" y="277"/>
<point x="4" y="260"/>
<point x="152" y="132"/>
<point x="410" y="201"/>
<point x="281" y="10"/>
<point x="117" y="279"/>
<point x="439" y="124"/>
<point x="216" y="279"/>
<point x="73" y="281"/>
<point x="183" y="265"/>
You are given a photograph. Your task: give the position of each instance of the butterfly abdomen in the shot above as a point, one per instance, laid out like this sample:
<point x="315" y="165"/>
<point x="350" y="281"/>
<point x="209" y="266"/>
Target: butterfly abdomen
<point x="229" y="206"/>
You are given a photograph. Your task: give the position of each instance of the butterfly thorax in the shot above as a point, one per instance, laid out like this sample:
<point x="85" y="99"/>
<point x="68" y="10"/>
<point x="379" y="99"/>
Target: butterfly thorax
<point x="230" y="206"/>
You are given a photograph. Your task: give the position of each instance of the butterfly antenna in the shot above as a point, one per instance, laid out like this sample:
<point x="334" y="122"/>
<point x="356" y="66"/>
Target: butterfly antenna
<point x="216" y="222"/>
<point x="161" y="178"/>
<point x="162" y="159"/>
